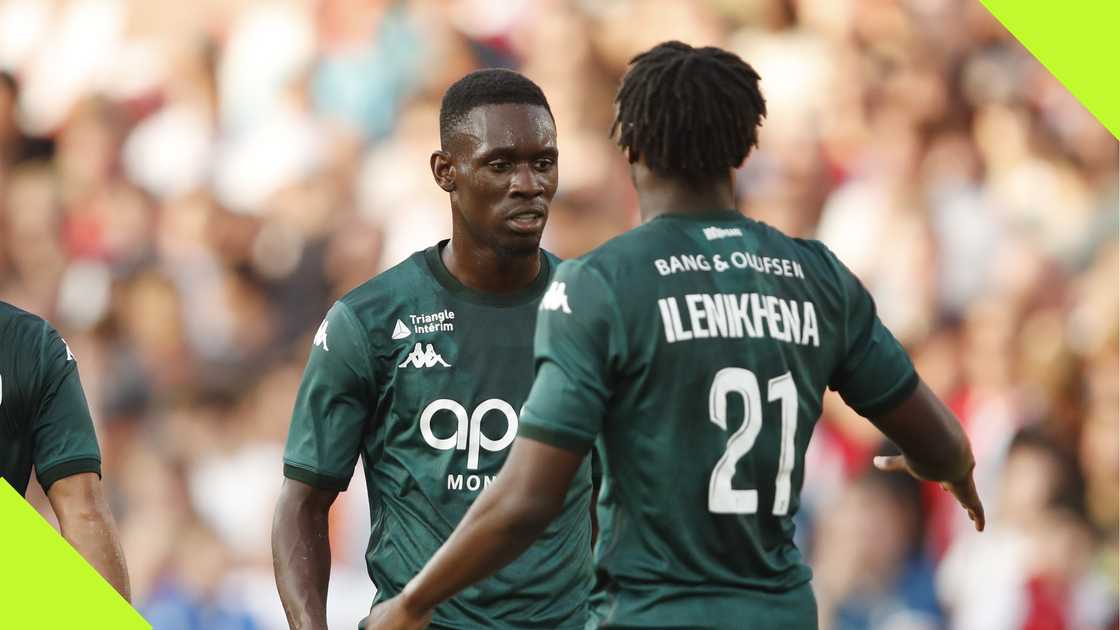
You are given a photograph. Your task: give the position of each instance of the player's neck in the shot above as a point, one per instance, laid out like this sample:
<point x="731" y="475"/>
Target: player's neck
<point x="481" y="268"/>
<point x="660" y="195"/>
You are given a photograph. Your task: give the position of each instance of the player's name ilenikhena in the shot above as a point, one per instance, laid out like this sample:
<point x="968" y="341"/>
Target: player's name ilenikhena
<point x="737" y="260"/>
<point x="737" y="315"/>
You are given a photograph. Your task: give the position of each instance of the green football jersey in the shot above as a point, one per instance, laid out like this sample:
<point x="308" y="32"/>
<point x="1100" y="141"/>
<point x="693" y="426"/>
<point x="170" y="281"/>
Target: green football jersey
<point x="697" y="350"/>
<point x="424" y="378"/>
<point x="44" y="418"/>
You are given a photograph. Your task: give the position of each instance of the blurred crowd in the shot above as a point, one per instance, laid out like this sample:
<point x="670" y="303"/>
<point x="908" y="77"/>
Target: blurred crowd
<point x="185" y="187"/>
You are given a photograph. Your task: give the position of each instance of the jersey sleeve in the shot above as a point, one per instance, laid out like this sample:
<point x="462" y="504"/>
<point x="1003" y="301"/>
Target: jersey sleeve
<point x="64" y="441"/>
<point x="578" y="347"/>
<point x="332" y="405"/>
<point x="874" y="373"/>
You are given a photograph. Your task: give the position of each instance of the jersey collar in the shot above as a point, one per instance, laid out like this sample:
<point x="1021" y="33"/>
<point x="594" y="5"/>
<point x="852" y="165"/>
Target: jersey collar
<point x="717" y="214"/>
<point x="527" y="295"/>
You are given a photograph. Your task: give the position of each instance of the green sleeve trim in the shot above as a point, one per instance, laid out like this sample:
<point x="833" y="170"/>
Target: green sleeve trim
<point x="314" y="479"/>
<point x="549" y="435"/>
<point x="61" y="470"/>
<point x="893" y="398"/>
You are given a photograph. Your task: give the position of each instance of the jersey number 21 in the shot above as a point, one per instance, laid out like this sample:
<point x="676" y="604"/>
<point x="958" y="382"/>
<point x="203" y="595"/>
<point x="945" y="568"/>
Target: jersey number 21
<point x="722" y="499"/>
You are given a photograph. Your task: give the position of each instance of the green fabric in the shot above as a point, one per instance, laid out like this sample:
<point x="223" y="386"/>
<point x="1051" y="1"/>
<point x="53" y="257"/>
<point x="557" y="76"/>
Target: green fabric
<point x="697" y="351"/>
<point x="44" y="419"/>
<point x="432" y="414"/>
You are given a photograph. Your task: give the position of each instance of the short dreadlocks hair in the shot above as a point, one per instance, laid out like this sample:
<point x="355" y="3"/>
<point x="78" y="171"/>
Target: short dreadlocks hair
<point x="491" y="86"/>
<point x="689" y="113"/>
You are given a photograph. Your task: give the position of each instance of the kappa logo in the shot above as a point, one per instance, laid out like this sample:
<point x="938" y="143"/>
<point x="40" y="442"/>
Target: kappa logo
<point x="400" y="331"/>
<point x="321" y="337"/>
<point x="712" y="233"/>
<point x="421" y="357"/>
<point x="556" y="299"/>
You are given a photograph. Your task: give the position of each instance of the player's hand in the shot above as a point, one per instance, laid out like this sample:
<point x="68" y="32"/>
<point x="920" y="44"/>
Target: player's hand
<point x="963" y="489"/>
<point x="392" y="614"/>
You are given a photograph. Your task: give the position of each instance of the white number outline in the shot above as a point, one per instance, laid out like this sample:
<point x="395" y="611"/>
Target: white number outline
<point x="722" y="498"/>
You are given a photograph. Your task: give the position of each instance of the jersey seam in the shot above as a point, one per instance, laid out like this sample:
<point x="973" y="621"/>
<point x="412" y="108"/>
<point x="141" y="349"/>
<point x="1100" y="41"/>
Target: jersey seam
<point x="831" y="258"/>
<point x="44" y="332"/>
<point x="617" y="312"/>
<point x="353" y="320"/>
<point x="47" y="391"/>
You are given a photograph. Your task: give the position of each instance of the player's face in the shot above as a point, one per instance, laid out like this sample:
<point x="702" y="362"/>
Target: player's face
<point x="505" y="175"/>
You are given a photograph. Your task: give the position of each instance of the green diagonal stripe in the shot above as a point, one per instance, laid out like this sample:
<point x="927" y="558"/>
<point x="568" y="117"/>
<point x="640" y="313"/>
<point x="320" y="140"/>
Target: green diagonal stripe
<point x="1077" y="41"/>
<point x="45" y="584"/>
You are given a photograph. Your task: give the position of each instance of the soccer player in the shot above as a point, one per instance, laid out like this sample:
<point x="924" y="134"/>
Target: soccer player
<point x="696" y="348"/>
<point x="423" y="370"/>
<point x="45" y="424"/>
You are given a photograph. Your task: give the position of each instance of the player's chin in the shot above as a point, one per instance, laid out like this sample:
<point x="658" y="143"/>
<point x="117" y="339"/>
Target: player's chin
<point x="521" y="243"/>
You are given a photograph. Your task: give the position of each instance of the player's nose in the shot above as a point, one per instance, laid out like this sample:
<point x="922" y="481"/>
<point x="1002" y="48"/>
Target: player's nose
<point x="526" y="182"/>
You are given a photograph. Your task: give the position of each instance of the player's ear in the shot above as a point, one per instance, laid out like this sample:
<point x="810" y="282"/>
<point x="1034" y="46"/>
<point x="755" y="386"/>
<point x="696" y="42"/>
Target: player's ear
<point x="443" y="171"/>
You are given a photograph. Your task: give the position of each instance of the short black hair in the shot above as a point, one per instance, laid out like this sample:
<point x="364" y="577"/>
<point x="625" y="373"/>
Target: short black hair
<point x="490" y="86"/>
<point x="689" y="113"/>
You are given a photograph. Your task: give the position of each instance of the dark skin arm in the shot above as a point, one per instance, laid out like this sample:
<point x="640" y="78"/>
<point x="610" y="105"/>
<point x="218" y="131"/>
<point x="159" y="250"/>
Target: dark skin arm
<point x="86" y="523"/>
<point x="301" y="553"/>
<point x="934" y="448"/>
<point x="529" y="492"/>
<point x="525" y="497"/>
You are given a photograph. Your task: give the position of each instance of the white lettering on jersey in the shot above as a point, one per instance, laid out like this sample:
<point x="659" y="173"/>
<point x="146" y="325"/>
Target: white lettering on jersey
<point x="440" y="321"/>
<point x="712" y="233"/>
<point x="400" y="331"/>
<point x="421" y="357"/>
<point x="69" y="354"/>
<point x="683" y="263"/>
<point x="321" y="337"/>
<point x="468" y="435"/>
<point x="726" y="315"/>
<point x="556" y="299"/>
<point x="473" y="482"/>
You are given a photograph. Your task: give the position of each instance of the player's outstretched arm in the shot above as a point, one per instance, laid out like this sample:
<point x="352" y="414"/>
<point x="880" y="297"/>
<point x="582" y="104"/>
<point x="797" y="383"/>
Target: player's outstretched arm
<point x="934" y="447"/>
<point x="525" y="497"/>
<point x="301" y="553"/>
<point x="88" y="525"/>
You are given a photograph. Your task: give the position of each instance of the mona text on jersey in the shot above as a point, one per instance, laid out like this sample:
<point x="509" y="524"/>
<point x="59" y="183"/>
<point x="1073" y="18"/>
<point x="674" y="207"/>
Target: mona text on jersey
<point x="740" y="315"/>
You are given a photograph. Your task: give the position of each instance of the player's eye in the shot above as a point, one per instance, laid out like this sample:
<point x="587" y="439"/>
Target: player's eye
<point x="544" y="164"/>
<point x="500" y="166"/>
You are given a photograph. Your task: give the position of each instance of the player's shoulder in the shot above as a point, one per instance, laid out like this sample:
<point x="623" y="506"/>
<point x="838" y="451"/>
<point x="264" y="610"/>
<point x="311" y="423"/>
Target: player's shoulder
<point x="818" y="255"/>
<point x="617" y="257"/>
<point x="807" y="251"/>
<point x="391" y="285"/>
<point x="18" y="327"/>
<point x="772" y="237"/>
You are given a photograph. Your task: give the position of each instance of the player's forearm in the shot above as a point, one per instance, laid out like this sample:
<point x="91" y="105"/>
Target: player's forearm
<point x="87" y="524"/>
<point x="498" y="528"/>
<point x="930" y="437"/>
<point x="93" y="533"/>
<point x="301" y="557"/>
